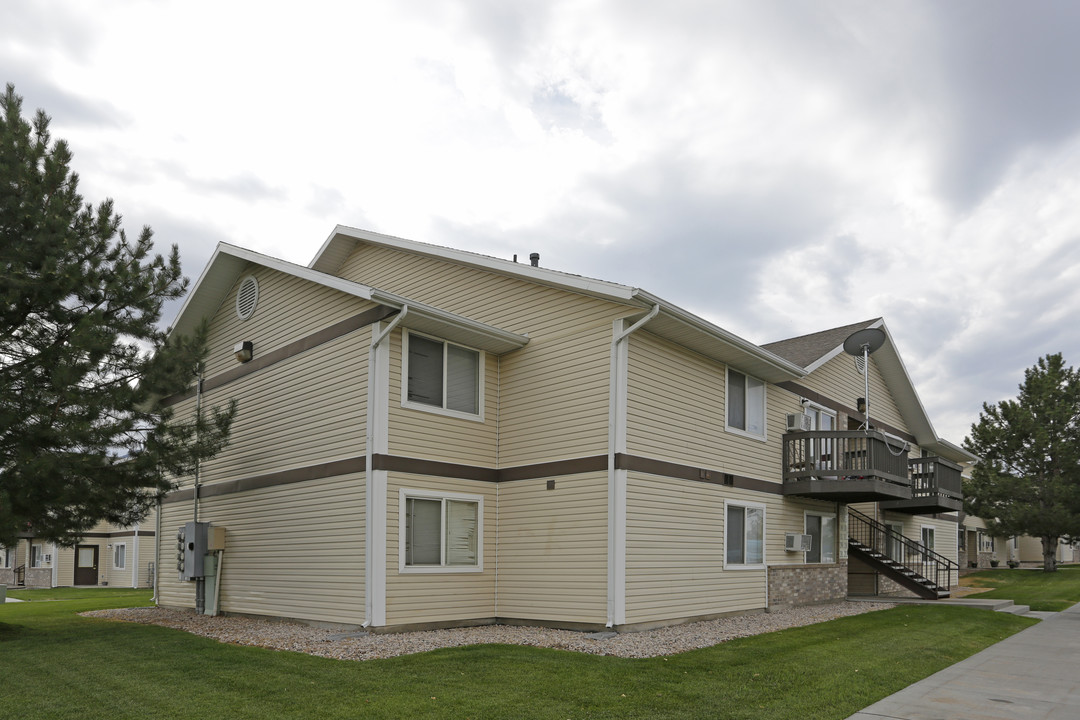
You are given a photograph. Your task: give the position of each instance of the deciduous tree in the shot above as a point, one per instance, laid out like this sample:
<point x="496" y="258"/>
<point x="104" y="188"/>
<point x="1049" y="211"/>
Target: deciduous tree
<point x="1028" y="481"/>
<point x="84" y="365"/>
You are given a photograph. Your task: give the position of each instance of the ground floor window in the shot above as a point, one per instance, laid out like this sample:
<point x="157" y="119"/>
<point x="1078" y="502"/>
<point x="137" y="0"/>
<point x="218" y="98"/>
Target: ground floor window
<point x="821" y="527"/>
<point x="120" y="556"/>
<point x="928" y="536"/>
<point x="440" y="532"/>
<point x="5" y="557"/>
<point x="744" y="535"/>
<point x="894" y="542"/>
<point x="36" y="556"/>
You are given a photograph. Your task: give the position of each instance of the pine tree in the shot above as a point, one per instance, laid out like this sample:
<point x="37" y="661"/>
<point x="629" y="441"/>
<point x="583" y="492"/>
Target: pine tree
<point x="84" y="366"/>
<point x="1028" y="481"/>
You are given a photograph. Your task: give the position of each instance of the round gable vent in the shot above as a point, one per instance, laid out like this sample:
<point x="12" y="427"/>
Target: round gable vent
<point x="247" y="296"/>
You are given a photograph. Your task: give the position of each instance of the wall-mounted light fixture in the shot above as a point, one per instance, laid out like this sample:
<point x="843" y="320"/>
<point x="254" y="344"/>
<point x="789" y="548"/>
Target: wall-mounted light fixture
<point x="243" y="351"/>
<point x="860" y="405"/>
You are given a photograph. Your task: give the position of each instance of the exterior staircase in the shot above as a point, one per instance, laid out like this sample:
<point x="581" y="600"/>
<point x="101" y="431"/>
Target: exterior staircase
<point x="910" y="564"/>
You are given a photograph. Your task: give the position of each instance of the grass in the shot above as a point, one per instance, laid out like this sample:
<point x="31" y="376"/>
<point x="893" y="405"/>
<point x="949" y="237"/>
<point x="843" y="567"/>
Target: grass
<point x="1051" y="592"/>
<point x="58" y="665"/>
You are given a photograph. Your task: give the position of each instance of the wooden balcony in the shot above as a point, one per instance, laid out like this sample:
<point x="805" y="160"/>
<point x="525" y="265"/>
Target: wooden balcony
<point x="935" y="487"/>
<point x="845" y="466"/>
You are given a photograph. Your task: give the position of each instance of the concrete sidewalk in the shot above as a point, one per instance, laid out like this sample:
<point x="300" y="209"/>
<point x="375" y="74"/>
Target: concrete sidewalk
<point x="1033" y="674"/>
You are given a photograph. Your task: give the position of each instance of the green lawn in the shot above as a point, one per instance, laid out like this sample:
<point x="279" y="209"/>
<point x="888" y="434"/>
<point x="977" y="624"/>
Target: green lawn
<point x="1052" y="592"/>
<point x="57" y="665"/>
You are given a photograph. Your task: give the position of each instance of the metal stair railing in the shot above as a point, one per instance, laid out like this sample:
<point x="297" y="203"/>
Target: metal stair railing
<point x="20" y="576"/>
<point x="912" y="555"/>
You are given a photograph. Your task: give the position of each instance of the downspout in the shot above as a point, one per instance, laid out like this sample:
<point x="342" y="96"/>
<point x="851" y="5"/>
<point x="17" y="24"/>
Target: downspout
<point x="157" y="549"/>
<point x="198" y="419"/>
<point x="616" y="599"/>
<point x="135" y="558"/>
<point x="375" y="532"/>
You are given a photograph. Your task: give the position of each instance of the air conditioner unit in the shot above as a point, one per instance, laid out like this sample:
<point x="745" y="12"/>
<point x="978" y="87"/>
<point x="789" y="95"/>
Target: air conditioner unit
<point x="798" y="422"/>
<point x="47" y="559"/>
<point x="794" y="542"/>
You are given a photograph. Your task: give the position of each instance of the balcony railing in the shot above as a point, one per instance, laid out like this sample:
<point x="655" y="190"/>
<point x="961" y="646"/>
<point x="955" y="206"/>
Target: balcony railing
<point x="845" y="466"/>
<point x="935" y="487"/>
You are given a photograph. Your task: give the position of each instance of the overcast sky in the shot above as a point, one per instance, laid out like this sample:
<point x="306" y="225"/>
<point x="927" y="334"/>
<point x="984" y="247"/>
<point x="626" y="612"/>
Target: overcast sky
<point x="776" y="167"/>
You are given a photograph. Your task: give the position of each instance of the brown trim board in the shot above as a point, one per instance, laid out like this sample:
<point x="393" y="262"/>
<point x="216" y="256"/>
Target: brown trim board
<point x="331" y="332"/>
<point x="435" y="468"/>
<point x="816" y="397"/>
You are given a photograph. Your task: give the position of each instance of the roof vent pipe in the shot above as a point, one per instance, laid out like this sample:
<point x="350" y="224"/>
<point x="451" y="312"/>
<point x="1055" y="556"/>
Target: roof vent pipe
<point x="534" y="258"/>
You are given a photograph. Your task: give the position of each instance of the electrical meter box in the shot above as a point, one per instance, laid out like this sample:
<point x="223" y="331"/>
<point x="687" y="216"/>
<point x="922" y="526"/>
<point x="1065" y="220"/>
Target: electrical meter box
<point x="215" y="539"/>
<point x="190" y="547"/>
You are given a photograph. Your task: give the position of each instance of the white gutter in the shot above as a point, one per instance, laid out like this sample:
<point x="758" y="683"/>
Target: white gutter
<point x="616" y="594"/>
<point x="378" y="404"/>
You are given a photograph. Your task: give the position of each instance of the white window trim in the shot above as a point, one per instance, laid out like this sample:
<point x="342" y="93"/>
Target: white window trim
<point x="764" y="436"/>
<point x="4" y="562"/>
<point x="836" y="530"/>
<point x="921" y="535"/>
<point x="403" y="495"/>
<point x="764" y="535"/>
<point x="115" y="547"/>
<point x="481" y="371"/>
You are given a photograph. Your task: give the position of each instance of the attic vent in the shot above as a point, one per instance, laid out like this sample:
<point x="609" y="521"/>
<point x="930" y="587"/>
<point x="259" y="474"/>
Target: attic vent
<point x="247" y="297"/>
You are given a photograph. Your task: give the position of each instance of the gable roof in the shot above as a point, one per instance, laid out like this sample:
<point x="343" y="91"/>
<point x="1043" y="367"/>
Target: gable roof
<point x="229" y="262"/>
<point x="808" y="350"/>
<point x="814" y="350"/>
<point x="670" y="322"/>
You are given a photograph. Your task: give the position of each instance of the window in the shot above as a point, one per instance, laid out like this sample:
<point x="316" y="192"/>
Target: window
<point x="119" y="556"/>
<point x="928" y="536"/>
<point x="745" y="404"/>
<point x="440" y="532"/>
<point x="821" y="527"/>
<point x="744" y="537"/>
<point x="894" y="543"/>
<point x="961" y="541"/>
<point x="5" y="557"/>
<point x="442" y="377"/>
<point x="35" y="556"/>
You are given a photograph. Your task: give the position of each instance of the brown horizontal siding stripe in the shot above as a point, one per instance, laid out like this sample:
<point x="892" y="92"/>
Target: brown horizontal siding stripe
<point x="124" y="533"/>
<point x="260" y="362"/>
<point x="284" y="477"/>
<point x="576" y="466"/>
<point x="816" y="397"/>
<point x="663" y="468"/>
<point x="436" y="468"/>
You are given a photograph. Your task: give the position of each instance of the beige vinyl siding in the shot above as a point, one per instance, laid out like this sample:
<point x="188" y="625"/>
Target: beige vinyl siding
<point x="438" y="596"/>
<point x="437" y="436"/>
<point x="554" y="398"/>
<point x="171" y="591"/>
<point x="676" y="412"/>
<point x="553" y="549"/>
<point x="840" y="381"/>
<point x="289" y="309"/>
<point x="551" y="396"/>
<point x="293" y="550"/>
<point x="307" y="410"/>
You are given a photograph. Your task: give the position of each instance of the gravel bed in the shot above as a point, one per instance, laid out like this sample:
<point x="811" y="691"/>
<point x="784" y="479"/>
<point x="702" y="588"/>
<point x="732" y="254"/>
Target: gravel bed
<point x="281" y="635"/>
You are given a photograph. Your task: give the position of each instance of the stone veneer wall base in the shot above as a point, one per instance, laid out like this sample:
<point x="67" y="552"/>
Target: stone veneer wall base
<point x="807" y="584"/>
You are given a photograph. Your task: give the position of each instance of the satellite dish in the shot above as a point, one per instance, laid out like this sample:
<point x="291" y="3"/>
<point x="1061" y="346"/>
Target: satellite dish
<point x="860" y="344"/>
<point x="869" y="338"/>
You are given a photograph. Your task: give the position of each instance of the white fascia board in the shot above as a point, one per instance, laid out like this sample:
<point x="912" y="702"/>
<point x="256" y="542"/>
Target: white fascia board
<point x="879" y="323"/>
<point x="783" y="365"/>
<point x="546" y="276"/>
<point x="478" y="334"/>
<point x="226" y="264"/>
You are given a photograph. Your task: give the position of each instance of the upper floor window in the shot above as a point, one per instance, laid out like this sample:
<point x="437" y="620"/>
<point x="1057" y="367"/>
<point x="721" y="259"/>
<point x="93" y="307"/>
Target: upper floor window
<point x="745" y="404"/>
<point x="442" y="376"/>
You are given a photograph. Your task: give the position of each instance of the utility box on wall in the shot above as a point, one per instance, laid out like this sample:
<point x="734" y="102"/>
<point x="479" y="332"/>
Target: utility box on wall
<point x="190" y="548"/>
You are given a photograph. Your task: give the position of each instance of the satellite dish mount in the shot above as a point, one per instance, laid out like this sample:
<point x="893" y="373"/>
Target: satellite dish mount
<point x="861" y="344"/>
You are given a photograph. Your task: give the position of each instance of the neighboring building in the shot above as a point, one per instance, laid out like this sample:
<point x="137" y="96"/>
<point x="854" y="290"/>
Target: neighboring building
<point x="432" y="437"/>
<point x="980" y="548"/>
<point x="107" y="555"/>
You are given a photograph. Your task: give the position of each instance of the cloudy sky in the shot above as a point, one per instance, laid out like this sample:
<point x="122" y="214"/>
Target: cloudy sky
<point x="776" y="167"/>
